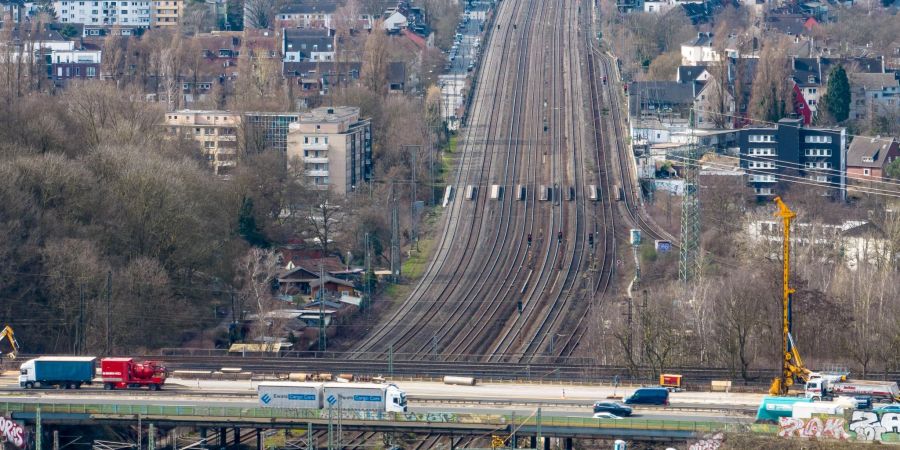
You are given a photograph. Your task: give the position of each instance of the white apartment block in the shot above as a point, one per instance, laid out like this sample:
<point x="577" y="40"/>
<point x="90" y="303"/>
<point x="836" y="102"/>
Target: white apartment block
<point x="216" y="131"/>
<point x="332" y="146"/>
<point x="109" y="13"/>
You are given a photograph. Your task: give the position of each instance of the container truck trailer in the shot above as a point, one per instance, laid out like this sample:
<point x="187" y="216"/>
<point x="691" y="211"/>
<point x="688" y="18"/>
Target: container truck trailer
<point x="67" y="372"/>
<point x="827" y="388"/>
<point x="350" y="396"/>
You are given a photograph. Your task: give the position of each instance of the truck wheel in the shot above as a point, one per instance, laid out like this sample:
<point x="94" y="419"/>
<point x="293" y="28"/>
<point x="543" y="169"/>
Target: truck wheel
<point x="29" y="385"/>
<point x="154" y="387"/>
<point x="107" y="386"/>
<point x="77" y="385"/>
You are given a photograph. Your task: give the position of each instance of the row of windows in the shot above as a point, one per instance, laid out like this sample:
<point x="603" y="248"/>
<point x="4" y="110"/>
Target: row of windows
<point x="761" y="138"/>
<point x="818" y="165"/>
<point x="818" y="152"/>
<point x="762" y="152"/>
<point x="762" y="165"/>
<point x="817" y="139"/>
<point x="90" y="72"/>
<point x="315" y="139"/>
<point x="105" y="4"/>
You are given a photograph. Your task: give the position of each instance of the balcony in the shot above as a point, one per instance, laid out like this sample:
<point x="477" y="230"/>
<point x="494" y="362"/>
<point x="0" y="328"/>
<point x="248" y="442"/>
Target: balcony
<point x="228" y="138"/>
<point x="315" y="146"/>
<point x="316" y="160"/>
<point x="317" y="173"/>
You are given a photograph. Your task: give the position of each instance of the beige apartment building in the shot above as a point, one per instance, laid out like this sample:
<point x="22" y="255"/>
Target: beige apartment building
<point x="165" y="13"/>
<point x="216" y="131"/>
<point x="332" y="146"/>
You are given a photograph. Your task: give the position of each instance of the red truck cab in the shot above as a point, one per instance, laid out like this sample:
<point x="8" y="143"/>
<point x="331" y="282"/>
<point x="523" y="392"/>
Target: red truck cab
<point x="124" y="373"/>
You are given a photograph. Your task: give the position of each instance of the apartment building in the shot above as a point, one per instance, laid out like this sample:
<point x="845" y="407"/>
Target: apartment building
<point x="105" y="13"/>
<point x="216" y="131"/>
<point x="791" y="152"/>
<point x="333" y="148"/>
<point x="166" y="13"/>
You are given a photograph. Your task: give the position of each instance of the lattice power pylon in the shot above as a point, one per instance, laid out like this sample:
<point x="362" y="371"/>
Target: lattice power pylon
<point x="689" y="264"/>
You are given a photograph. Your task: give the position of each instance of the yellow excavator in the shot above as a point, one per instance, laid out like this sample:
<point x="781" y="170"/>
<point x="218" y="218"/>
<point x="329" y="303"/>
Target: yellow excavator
<point x="8" y="334"/>
<point x="792" y="367"/>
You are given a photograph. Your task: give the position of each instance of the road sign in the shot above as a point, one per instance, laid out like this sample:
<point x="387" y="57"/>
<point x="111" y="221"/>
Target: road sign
<point x="497" y="442"/>
<point x="663" y="246"/>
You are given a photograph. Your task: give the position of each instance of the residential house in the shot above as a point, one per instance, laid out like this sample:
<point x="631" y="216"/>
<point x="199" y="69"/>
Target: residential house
<point x="165" y="13"/>
<point x="807" y="76"/>
<point x="713" y="104"/>
<point x="216" y="131"/>
<point x="394" y="21"/>
<point x="104" y="14"/>
<point x="61" y="59"/>
<point x="396" y="77"/>
<point x="690" y="74"/>
<point x="793" y="152"/>
<point x="306" y="14"/>
<point x="868" y="156"/>
<point x="333" y="146"/>
<point x="317" y="78"/>
<point x="660" y="99"/>
<point x="299" y="45"/>
<point x="789" y="24"/>
<point x="14" y="9"/>
<point x="852" y="242"/>
<point x="874" y="94"/>
<point x="699" y="50"/>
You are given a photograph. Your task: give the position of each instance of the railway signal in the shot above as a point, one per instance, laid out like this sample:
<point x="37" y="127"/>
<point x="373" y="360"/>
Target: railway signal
<point x="559" y="236"/>
<point x="591" y="239"/>
<point x="529" y="239"/>
<point x="519" y="306"/>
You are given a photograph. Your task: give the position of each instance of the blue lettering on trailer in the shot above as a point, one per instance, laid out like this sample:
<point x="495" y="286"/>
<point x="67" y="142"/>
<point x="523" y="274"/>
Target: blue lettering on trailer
<point x="367" y="398"/>
<point x="301" y="397"/>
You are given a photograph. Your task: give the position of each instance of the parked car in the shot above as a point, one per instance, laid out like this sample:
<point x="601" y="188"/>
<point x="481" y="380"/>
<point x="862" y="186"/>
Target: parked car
<point x="888" y="409"/>
<point x="649" y="396"/>
<point x="863" y="402"/>
<point x="606" y="415"/>
<point x="613" y="408"/>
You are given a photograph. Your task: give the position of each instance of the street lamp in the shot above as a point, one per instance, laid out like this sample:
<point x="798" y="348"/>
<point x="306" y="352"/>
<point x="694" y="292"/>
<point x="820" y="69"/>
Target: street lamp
<point x="553" y="339"/>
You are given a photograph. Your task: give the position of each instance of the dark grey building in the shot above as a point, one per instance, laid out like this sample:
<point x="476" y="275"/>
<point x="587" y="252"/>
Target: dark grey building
<point x="793" y="153"/>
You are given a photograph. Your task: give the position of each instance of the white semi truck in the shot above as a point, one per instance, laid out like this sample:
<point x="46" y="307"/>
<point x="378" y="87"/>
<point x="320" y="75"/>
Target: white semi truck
<point x="351" y="396"/>
<point x="826" y="388"/>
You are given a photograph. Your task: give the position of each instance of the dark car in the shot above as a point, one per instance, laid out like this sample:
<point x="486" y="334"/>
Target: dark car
<point x="649" y="396"/>
<point x="612" y="407"/>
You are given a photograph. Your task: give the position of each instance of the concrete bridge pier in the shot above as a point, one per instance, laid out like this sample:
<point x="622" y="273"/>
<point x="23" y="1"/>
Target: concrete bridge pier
<point x="203" y="438"/>
<point x="222" y="441"/>
<point x="259" y="442"/>
<point x="237" y="436"/>
<point x="534" y="442"/>
<point x="568" y="443"/>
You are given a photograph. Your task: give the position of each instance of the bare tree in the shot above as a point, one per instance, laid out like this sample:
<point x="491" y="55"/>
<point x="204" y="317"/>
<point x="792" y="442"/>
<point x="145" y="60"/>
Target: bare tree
<point x="257" y="272"/>
<point x="375" y="61"/>
<point x="771" y="97"/>
<point x="260" y="13"/>
<point x="326" y="215"/>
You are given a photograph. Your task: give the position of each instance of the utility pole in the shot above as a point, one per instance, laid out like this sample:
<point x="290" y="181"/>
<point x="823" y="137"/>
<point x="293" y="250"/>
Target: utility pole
<point x="689" y="262"/>
<point x="414" y="226"/>
<point x="108" y="296"/>
<point x="322" y="339"/>
<point x="395" y="236"/>
<point x="367" y="281"/>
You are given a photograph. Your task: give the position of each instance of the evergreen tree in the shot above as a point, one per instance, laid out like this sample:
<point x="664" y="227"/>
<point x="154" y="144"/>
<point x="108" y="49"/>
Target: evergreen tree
<point x="247" y="225"/>
<point x="893" y="169"/>
<point x="837" y="94"/>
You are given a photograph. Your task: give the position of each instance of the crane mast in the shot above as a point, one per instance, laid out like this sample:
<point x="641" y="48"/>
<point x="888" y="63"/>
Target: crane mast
<point x="7" y="333"/>
<point x="791" y="364"/>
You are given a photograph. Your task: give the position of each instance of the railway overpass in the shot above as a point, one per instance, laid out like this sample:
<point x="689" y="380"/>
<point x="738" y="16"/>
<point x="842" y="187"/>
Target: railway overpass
<point x="42" y="417"/>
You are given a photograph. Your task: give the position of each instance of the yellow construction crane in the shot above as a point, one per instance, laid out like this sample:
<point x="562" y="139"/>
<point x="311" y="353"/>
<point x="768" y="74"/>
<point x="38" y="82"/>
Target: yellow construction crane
<point x="8" y="334"/>
<point x="791" y="365"/>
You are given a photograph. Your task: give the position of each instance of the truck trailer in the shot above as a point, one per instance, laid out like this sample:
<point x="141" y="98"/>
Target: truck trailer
<point x="827" y="388"/>
<point x="350" y="396"/>
<point x="67" y="372"/>
<point x="124" y="373"/>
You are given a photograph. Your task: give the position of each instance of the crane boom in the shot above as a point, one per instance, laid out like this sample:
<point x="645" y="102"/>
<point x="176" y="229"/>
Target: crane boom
<point x="7" y="333"/>
<point x="791" y="364"/>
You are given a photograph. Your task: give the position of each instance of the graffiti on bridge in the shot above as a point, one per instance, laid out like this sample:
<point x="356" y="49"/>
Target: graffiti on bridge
<point x="828" y="428"/>
<point x="869" y="427"/>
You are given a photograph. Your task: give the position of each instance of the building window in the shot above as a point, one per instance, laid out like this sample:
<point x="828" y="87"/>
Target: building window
<point x="866" y="172"/>
<point x="868" y="159"/>
<point x="818" y="165"/>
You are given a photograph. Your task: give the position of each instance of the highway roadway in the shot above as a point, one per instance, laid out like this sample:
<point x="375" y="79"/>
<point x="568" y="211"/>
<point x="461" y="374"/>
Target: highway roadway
<point x="524" y="399"/>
